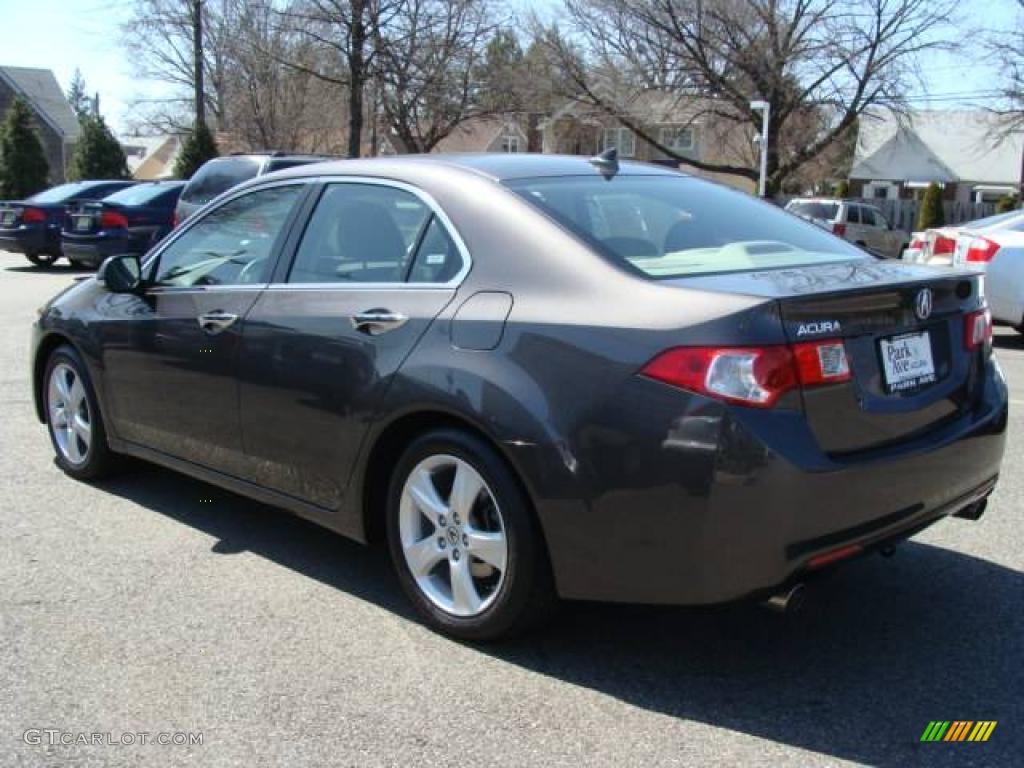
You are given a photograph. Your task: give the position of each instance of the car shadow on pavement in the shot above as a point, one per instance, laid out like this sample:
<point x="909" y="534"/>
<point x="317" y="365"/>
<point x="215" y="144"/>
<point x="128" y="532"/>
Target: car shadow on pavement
<point x="883" y="647"/>
<point x="1008" y="341"/>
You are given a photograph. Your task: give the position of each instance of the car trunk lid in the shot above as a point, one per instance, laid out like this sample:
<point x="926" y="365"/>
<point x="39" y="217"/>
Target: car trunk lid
<point x="903" y="332"/>
<point x="83" y="217"/>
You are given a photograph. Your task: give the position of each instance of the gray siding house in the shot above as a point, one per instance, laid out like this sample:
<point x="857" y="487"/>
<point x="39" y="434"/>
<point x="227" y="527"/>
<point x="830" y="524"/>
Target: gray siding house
<point x="55" y="120"/>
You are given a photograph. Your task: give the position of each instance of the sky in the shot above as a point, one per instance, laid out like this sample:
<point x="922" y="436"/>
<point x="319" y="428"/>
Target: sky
<point x="64" y="34"/>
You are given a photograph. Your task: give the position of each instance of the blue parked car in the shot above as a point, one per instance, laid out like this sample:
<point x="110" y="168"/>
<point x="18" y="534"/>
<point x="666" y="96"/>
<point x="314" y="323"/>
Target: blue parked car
<point x="33" y="226"/>
<point x="129" y="221"/>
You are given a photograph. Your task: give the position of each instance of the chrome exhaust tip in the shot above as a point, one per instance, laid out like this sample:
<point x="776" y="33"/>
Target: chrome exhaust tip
<point x="788" y="601"/>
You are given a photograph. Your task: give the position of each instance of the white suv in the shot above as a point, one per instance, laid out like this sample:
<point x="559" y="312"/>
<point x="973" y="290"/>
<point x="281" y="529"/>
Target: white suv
<point x="861" y="224"/>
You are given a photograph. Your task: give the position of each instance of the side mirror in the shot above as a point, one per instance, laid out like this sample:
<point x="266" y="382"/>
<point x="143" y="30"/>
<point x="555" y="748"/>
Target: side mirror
<point x="121" y="274"/>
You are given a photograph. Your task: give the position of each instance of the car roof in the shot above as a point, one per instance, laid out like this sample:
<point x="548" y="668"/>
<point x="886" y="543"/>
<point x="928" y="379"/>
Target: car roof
<point x="498" y="166"/>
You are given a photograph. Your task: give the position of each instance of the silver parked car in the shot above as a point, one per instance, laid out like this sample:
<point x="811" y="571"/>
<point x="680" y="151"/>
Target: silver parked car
<point x="861" y="224"/>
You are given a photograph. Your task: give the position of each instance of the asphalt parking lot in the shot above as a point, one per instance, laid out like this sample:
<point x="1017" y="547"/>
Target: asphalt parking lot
<point x="154" y="603"/>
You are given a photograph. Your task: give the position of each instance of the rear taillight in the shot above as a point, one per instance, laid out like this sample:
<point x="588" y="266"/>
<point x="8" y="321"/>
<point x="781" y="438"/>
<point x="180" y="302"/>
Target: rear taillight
<point x="754" y="376"/>
<point x="33" y="215"/>
<point x="977" y="329"/>
<point x="113" y="220"/>
<point x="943" y="245"/>
<point x="821" y="362"/>
<point x="981" y="249"/>
<point x="838" y="228"/>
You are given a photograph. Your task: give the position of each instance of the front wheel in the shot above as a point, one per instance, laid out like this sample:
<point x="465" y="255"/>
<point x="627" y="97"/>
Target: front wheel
<point x="73" y="417"/>
<point x="42" y="259"/>
<point x="464" y="541"/>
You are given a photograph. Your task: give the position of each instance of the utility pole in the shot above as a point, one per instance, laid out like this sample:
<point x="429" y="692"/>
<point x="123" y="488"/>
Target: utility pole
<point x="764" y="108"/>
<point x="197" y="59"/>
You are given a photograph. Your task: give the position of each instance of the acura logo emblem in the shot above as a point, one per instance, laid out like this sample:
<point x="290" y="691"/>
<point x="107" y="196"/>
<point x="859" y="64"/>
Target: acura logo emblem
<point x="923" y="304"/>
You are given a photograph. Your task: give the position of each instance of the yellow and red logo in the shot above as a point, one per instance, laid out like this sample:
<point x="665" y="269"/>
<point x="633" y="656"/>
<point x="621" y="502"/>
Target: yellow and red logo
<point x="958" y="730"/>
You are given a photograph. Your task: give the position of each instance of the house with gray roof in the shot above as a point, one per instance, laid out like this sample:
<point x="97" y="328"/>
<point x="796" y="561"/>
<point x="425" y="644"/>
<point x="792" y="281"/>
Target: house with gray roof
<point x="968" y="153"/>
<point x="55" y="121"/>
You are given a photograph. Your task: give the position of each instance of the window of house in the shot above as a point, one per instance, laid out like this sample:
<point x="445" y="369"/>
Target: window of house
<point x="621" y="139"/>
<point x="510" y="140"/>
<point x="678" y="138"/>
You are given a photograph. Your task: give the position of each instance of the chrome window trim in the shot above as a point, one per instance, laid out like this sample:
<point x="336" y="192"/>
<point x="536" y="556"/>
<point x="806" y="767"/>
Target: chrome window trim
<point x="425" y="197"/>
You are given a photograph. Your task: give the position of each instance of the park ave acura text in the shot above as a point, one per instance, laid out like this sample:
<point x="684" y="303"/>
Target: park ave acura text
<point x="537" y="376"/>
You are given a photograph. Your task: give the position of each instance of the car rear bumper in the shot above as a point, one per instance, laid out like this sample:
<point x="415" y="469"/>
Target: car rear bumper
<point x="92" y="249"/>
<point x="704" y="507"/>
<point x="24" y="240"/>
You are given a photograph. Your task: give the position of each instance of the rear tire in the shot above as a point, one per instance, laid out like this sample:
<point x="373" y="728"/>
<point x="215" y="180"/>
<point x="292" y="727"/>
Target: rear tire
<point x="45" y="260"/>
<point x="464" y="541"/>
<point x="73" y="417"/>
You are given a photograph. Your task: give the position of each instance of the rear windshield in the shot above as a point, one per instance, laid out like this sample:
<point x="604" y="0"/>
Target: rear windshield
<point x="814" y="210"/>
<point x="279" y="164"/>
<point x="143" y="194"/>
<point x="673" y="226"/>
<point x="218" y="176"/>
<point x="61" y="192"/>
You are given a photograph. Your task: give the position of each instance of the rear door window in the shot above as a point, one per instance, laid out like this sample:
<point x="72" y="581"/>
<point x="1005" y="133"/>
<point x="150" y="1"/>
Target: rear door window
<point x="438" y="259"/>
<point x="853" y="214"/>
<point x="360" y="233"/>
<point x="219" y="176"/>
<point x="143" y="194"/>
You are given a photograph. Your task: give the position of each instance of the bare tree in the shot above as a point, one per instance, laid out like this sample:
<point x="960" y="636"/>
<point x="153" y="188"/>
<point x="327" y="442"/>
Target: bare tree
<point x="820" y="64"/>
<point x="344" y="28"/>
<point x="274" y="106"/>
<point x="428" y="59"/>
<point x="159" y="41"/>
<point x="1007" y="49"/>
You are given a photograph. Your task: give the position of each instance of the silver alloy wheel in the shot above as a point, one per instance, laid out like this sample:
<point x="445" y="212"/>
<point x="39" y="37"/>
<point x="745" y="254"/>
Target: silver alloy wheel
<point x="453" y="535"/>
<point x="70" y="418"/>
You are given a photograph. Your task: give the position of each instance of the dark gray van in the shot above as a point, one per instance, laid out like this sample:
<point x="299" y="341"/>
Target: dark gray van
<point x="222" y="173"/>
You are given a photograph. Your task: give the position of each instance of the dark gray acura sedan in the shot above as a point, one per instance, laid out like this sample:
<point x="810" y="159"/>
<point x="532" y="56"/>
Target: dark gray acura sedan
<point x="537" y="376"/>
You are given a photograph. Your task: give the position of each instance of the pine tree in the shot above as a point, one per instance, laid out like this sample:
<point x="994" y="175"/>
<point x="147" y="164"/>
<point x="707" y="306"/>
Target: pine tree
<point x="98" y="155"/>
<point x="1007" y="203"/>
<point x="23" y="166"/>
<point x="931" y="214"/>
<point x="78" y="97"/>
<point x="197" y="149"/>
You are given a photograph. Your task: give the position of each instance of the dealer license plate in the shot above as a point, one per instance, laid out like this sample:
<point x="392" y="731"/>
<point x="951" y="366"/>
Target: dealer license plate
<point x="907" y="361"/>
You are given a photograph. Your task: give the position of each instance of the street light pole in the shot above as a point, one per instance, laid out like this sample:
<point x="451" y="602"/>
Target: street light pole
<point x="764" y="108"/>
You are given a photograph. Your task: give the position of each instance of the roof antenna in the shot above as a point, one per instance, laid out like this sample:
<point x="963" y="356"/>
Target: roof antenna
<point x="607" y="162"/>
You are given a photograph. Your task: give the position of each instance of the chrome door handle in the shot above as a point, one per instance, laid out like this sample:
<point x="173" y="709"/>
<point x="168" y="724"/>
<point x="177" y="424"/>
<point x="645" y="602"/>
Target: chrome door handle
<point x="216" y="321"/>
<point x="377" y="321"/>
